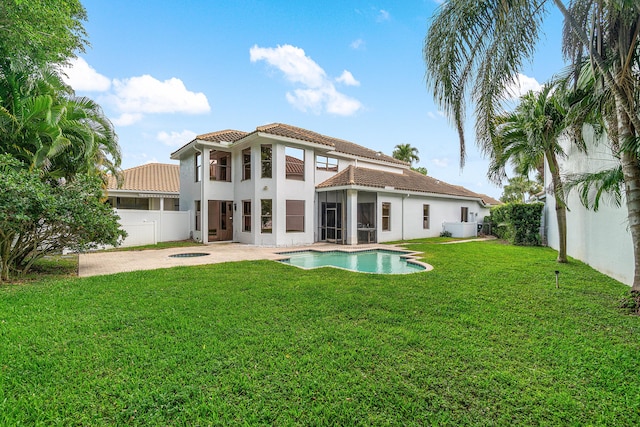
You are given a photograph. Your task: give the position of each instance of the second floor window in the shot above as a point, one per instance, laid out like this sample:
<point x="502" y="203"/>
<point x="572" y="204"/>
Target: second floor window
<point x="326" y="163"/>
<point x="198" y="166"/>
<point x="265" y="155"/>
<point x="220" y="166"/>
<point x="246" y="164"/>
<point x="294" y="163"/>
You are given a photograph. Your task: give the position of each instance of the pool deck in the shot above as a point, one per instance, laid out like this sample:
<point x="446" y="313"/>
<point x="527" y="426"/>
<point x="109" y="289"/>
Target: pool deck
<point x="100" y="263"/>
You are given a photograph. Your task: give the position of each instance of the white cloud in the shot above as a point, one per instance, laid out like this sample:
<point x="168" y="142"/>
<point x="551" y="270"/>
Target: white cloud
<point x="176" y="139"/>
<point x="318" y="93"/>
<point x="132" y="98"/>
<point x="441" y="163"/>
<point x="145" y="94"/>
<point x="127" y="119"/>
<point x="347" y="78"/>
<point x="82" y="77"/>
<point x="293" y="62"/>
<point x="521" y="85"/>
<point x="357" y="44"/>
<point x="383" y="15"/>
<point x="436" y="116"/>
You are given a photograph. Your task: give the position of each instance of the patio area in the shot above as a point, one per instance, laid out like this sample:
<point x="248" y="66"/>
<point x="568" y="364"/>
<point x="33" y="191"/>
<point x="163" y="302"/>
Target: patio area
<point x="100" y="263"/>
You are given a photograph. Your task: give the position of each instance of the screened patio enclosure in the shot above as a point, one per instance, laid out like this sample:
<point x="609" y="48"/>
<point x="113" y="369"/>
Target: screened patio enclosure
<point x="338" y="224"/>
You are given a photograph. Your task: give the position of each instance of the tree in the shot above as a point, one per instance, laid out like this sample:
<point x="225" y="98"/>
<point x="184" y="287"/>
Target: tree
<point x="420" y="169"/>
<point x="38" y="218"/>
<point x="526" y="138"/>
<point x="33" y="33"/>
<point x="406" y="153"/>
<point x="518" y="188"/>
<point x="478" y="48"/>
<point x="49" y="129"/>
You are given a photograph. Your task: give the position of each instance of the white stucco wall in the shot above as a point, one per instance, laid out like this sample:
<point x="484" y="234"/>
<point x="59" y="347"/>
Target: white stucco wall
<point x="407" y="216"/>
<point x="600" y="239"/>
<point x="151" y="227"/>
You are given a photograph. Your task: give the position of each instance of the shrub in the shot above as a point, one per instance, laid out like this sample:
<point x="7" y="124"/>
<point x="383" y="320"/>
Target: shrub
<point x="519" y="223"/>
<point x="445" y="233"/>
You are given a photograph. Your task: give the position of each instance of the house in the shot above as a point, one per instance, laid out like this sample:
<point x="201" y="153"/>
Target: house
<point x="281" y="185"/>
<point x="602" y="238"/>
<point x="147" y="202"/>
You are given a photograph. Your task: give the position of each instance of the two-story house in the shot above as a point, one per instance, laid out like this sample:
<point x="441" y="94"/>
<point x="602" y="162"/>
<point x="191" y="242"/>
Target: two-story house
<point x="285" y="186"/>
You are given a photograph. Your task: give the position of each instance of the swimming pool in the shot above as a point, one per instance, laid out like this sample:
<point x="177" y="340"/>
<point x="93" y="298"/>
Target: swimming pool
<point x="380" y="261"/>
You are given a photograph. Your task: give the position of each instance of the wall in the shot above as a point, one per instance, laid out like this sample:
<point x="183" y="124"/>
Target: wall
<point x="150" y="227"/>
<point x="407" y="216"/>
<point x="600" y="239"/>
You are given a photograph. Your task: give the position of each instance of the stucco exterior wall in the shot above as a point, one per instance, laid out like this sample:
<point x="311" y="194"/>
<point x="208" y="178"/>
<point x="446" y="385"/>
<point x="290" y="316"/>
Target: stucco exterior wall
<point x="600" y="239"/>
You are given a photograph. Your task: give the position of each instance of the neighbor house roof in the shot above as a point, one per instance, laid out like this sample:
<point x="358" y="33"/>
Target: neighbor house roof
<point x="156" y="177"/>
<point x="293" y="132"/>
<point x="408" y="180"/>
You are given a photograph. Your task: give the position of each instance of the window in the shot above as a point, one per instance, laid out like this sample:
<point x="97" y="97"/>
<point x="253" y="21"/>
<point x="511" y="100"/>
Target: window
<point x="220" y="166"/>
<point x="246" y="164"/>
<point x="295" y="215"/>
<point x="425" y="217"/>
<point x="294" y="163"/>
<point x="246" y="215"/>
<point x="265" y="154"/>
<point x="326" y="163"/>
<point x="198" y="166"/>
<point x="171" y="204"/>
<point x="386" y="216"/>
<point x="464" y="214"/>
<point x="265" y="216"/>
<point x="197" y="215"/>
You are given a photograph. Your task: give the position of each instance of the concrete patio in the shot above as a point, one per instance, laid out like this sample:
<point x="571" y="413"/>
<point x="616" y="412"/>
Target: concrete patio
<point x="100" y="263"/>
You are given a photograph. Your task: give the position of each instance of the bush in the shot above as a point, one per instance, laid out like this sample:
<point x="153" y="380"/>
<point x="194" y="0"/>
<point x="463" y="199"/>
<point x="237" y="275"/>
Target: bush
<point x="519" y="223"/>
<point x="445" y="233"/>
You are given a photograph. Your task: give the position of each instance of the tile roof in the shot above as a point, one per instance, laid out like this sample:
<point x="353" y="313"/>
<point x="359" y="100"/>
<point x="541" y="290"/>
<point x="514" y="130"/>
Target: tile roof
<point x="488" y="200"/>
<point x="408" y="180"/>
<point x="288" y="131"/>
<point x="340" y="145"/>
<point x="150" y="177"/>
<point x="228" y="135"/>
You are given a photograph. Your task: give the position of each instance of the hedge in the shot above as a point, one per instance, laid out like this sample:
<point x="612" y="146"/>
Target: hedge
<point x="519" y="223"/>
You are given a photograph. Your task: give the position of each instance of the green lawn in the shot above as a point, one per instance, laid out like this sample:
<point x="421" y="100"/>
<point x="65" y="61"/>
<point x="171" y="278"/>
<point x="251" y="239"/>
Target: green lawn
<point x="483" y="339"/>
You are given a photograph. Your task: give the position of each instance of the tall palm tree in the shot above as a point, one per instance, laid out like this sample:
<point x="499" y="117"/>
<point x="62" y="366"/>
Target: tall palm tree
<point x="406" y="153"/>
<point x="478" y="48"/>
<point x="527" y="137"/>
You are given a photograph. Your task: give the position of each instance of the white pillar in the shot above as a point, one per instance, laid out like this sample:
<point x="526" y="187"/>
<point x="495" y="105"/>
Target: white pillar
<point x="204" y="198"/>
<point x="352" y="217"/>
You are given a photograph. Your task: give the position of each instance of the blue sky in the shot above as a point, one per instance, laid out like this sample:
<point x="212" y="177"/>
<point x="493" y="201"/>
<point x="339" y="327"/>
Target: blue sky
<point x="165" y="71"/>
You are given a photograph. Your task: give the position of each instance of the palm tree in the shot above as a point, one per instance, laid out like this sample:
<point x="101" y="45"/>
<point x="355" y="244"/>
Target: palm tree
<point x="47" y="128"/>
<point x="518" y="187"/>
<point x="478" y="48"/>
<point x="406" y="153"/>
<point x="527" y="137"/>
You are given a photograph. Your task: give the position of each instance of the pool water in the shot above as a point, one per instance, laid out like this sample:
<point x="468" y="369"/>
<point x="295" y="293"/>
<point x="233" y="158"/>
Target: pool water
<point x="378" y="261"/>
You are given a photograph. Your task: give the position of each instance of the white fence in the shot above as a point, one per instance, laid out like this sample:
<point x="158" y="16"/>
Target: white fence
<point x="461" y="229"/>
<point x="151" y="227"/>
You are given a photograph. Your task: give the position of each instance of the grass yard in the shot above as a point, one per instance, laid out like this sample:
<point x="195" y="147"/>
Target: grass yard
<point x="483" y="339"/>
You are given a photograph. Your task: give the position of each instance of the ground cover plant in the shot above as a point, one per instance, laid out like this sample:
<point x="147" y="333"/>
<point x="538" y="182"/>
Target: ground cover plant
<point x="483" y="339"/>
